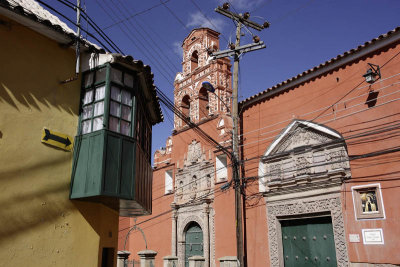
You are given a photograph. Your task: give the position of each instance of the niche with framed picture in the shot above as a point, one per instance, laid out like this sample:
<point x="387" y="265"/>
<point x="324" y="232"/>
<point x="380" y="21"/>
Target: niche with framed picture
<point x="368" y="203"/>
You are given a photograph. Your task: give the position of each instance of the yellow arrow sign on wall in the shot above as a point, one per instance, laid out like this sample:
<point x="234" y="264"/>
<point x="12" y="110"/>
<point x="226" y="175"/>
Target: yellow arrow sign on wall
<point x="59" y="140"/>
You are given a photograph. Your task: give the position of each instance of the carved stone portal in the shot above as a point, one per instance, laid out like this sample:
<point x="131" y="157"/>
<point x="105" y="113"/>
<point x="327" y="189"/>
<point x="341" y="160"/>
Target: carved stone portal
<point x="301" y="174"/>
<point x="193" y="203"/>
<point x="308" y="206"/>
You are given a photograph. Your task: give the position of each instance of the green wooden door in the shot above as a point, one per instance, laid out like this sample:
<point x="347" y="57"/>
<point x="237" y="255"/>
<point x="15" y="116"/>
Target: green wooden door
<point x="194" y="242"/>
<point x="308" y="242"/>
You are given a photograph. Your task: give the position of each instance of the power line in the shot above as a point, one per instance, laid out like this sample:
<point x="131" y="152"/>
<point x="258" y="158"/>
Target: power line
<point x="65" y="17"/>
<point x="92" y="24"/>
<point x="316" y="110"/>
<point x="174" y="15"/>
<point x="134" y="43"/>
<point x="136" y="14"/>
<point x="159" y="51"/>
<point x="145" y="47"/>
<point x="209" y="20"/>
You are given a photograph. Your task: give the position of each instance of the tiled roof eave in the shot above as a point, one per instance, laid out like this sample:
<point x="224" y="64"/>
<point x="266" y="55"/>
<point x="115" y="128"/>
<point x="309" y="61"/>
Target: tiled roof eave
<point x="57" y="32"/>
<point x="340" y="60"/>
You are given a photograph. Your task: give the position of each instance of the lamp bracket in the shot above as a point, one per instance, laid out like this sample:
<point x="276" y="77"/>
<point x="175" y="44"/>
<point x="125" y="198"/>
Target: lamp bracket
<point x="376" y="69"/>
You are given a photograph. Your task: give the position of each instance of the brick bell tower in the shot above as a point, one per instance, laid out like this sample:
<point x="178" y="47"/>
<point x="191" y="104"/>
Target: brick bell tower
<point x="197" y="66"/>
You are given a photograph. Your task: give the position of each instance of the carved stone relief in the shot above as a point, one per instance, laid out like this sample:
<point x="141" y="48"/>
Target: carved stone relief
<point x="302" y="157"/>
<point x="306" y="207"/>
<point x="194" y="181"/>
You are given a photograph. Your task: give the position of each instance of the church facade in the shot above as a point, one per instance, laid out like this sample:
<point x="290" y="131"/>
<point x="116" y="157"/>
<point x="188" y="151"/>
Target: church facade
<point x="318" y="164"/>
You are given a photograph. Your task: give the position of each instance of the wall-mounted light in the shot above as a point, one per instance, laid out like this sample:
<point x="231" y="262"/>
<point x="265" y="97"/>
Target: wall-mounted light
<point x="372" y="73"/>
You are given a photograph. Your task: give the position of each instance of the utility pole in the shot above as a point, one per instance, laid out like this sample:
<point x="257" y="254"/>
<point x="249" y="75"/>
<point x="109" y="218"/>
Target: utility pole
<point x="78" y="37"/>
<point x="236" y="51"/>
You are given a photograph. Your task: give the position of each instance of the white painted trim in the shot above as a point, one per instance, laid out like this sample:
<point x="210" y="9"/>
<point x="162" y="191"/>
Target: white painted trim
<point x="306" y="123"/>
<point x="373" y="243"/>
<point x="261" y="175"/>
<point x="354" y="188"/>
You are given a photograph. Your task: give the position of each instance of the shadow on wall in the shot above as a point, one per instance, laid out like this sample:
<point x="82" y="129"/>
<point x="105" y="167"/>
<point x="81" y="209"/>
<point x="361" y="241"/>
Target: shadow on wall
<point x="50" y="98"/>
<point x="35" y="206"/>
<point x="32" y="70"/>
<point x="104" y="222"/>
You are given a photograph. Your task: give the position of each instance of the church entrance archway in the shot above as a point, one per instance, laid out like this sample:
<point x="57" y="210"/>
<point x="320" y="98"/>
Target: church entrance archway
<point x="193" y="242"/>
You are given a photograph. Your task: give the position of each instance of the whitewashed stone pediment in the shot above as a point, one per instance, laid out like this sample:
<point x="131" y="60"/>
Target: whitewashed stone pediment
<point x="303" y="151"/>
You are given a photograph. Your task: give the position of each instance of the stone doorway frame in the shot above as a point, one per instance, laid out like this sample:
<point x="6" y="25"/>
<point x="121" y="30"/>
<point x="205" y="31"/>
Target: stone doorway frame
<point x="201" y="214"/>
<point x="288" y="206"/>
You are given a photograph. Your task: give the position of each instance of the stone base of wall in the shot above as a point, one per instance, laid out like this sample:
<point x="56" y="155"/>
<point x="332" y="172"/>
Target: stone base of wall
<point x="364" y="264"/>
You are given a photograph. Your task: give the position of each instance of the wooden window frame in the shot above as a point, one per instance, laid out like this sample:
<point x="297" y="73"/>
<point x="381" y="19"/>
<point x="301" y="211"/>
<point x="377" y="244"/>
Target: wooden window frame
<point x="90" y="81"/>
<point x="356" y="192"/>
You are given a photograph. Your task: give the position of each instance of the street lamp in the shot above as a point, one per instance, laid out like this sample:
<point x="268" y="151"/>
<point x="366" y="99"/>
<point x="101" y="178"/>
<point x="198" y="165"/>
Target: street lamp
<point x="210" y="88"/>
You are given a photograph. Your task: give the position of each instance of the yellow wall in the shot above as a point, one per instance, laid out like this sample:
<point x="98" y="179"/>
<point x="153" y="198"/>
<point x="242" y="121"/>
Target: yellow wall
<point x="39" y="225"/>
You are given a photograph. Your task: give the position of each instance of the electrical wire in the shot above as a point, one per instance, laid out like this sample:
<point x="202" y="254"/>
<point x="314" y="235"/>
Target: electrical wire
<point x="150" y="43"/>
<point x="88" y="20"/>
<point x="134" y="15"/>
<point x="73" y="23"/>
<point x="174" y="15"/>
<point x="132" y="40"/>
<point x="206" y="17"/>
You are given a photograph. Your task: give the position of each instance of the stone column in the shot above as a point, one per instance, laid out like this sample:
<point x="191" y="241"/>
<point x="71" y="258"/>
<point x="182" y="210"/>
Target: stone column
<point x="174" y="249"/>
<point x="196" y="261"/>
<point x="181" y="252"/>
<point x="147" y="258"/>
<point x="122" y="256"/>
<point x="206" y="234"/>
<point x="228" y="261"/>
<point x="170" y="261"/>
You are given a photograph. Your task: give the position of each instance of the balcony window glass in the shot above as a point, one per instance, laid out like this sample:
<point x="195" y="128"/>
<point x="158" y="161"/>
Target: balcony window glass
<point x="101" y="75"/>
<point x="116" y="76"/>
<point x="108" y="101"/>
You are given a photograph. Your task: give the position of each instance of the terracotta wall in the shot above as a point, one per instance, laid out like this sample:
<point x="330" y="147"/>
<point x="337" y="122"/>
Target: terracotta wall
<point x="338" y="100"/>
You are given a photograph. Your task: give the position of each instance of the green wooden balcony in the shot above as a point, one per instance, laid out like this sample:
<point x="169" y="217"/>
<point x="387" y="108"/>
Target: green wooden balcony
<point x="112" y="169"/>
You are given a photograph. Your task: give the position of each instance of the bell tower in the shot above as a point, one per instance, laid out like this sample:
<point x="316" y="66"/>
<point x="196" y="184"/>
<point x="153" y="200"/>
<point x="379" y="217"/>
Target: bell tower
<point x="197" y="67"/>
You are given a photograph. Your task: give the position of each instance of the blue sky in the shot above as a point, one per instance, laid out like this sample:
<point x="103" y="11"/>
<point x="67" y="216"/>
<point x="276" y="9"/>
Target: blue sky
<point x="303" y="34"/>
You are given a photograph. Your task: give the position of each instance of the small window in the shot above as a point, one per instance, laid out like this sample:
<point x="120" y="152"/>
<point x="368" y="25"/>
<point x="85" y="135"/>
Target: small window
<point x="185" y="106"/>
<point x="194" y="59"/>
<point x="221" y="169"/>
<point x="168" y="182"/>
<point x="368" y="202"/>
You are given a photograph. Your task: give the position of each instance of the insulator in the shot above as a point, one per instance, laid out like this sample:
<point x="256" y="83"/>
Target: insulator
<point x="256" y="39"/>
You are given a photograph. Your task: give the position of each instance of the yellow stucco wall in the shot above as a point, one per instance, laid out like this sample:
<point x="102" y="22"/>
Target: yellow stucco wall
<point x="39" y="225"/>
